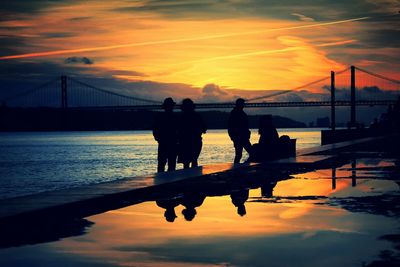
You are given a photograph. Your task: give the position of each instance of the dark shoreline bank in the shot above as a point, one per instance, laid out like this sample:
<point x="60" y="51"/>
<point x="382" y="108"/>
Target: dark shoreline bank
<point x="52" y="119"/>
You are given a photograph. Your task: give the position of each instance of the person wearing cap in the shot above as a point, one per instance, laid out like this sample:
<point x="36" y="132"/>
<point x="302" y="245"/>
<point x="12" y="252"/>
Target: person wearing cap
<point x="191" y="127"/>
<point x="165" y="132"/>
<point x="238" y="130"/>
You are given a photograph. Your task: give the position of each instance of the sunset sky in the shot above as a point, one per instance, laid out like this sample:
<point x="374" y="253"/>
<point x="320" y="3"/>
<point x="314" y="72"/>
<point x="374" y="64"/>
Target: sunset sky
<point x="200" y="49"/>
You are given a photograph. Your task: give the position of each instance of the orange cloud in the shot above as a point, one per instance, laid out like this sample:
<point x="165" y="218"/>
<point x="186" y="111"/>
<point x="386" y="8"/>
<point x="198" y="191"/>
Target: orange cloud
<point x="100" y="48"/>
<point x="247" y="53"/>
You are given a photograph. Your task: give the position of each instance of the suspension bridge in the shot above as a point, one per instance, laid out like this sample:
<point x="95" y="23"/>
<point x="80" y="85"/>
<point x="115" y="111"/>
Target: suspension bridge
<point x="352" y="87"/>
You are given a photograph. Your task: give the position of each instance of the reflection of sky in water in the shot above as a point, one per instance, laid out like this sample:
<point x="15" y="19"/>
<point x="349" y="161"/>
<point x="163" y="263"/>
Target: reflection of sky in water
<point x="362" y="179"/>
<point x="35" y="162"/>
<point x="277" y="234"/>
<point x="291" y="232"/>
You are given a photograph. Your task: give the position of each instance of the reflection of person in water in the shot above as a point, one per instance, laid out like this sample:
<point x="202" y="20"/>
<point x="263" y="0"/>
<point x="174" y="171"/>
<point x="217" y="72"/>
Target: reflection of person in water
<point x="191" y="127"/>
<point x="191" y="202"/>
<point x="165" y="133"/>
<point x="267" y="189"/>
<point x="238" y="199"/>
<point x="169" y="206"/>
<point x="238" y="130"/>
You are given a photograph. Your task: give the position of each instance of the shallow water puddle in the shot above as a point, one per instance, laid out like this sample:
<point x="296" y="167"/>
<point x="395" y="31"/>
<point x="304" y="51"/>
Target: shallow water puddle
<point x="312" y="220"/>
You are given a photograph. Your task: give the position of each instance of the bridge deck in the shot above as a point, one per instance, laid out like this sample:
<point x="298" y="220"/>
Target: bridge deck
<point x="94" y="199"/>
<point x="248" y="105"/>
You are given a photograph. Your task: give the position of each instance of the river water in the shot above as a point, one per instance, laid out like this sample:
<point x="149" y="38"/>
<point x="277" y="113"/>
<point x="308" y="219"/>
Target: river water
<point x="32" y="162"/>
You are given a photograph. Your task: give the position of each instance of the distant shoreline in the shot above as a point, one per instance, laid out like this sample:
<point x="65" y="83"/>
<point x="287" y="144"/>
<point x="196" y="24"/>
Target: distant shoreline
<point x="47" y="119"/>
<point x="147" y="130"/>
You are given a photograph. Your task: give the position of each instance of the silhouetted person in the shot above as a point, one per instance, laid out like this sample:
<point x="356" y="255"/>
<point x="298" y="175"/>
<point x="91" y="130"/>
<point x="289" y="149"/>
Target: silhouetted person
<point x="268" y="145"/>
<point x="191" y="127"/>
<point x="169" y="206"/>
<point x="238" y="199"/>
<point x="238" y="130"/>
<point x="191" y="201"/>
<point x="268" y="134"/>
<point x="166" y="134"/>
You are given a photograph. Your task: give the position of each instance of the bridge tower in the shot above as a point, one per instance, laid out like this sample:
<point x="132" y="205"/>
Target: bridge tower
<point x="333" y="115"/>
<point x="353" y="97"/>
<point x="64" y="98"/>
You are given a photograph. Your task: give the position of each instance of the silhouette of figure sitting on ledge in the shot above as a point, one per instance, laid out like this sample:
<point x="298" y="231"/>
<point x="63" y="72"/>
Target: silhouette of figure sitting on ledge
<point x="268" y="142"/>
<point x="270" y="146"/>
<point x="268" y="134"/>
<point x="191" y="127"/>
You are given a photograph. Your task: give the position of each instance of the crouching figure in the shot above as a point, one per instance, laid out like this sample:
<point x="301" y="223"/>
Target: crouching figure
<point x="270" y="146"/>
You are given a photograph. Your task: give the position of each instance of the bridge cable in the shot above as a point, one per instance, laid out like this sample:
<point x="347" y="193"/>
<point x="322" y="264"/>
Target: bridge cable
<point x="113" y="93"/>
<point x="379" y="76"/>
<point x="27" y="92"/>
<point x="296" y="88"/>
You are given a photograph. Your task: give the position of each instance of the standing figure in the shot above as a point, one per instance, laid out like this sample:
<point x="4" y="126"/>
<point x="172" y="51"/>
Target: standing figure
<point x="166" y="134"/>
<point x="191" y="127"/>
<point x="238" y="130"/>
